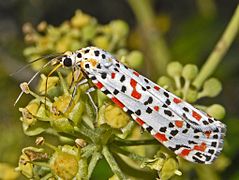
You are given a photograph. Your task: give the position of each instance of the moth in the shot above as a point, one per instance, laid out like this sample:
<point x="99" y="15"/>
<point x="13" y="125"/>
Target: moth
<point x="182" y="128"/>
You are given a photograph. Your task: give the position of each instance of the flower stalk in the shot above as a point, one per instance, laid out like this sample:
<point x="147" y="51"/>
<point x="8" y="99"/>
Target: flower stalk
<point x="219" y="50"/>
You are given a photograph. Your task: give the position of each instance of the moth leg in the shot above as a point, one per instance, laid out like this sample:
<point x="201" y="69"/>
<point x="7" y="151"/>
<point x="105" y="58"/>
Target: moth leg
<point x="84" y="81"/>
<point x="91" y="99"/>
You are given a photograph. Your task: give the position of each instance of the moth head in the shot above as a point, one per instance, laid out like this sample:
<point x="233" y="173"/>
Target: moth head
<point x="68" y="59"/>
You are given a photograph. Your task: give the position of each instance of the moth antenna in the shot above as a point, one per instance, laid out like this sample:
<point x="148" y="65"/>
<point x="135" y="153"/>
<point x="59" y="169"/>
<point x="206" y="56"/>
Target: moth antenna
<point x="32" y="78"/>
<point x="50" y="56"/>
<point x="52" y="71"/>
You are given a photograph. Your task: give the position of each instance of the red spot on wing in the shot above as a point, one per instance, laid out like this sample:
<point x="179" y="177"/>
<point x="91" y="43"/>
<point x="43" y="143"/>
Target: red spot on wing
<point x="177" y="100"/>
<point x="196" y="116"/>
<point x="185" y="152"/>
<point x="136" y="73"/>
<point x="156" y="108"/>
<point x="139" y="121"/>
<point x="112" y="75"/>
<point x="200" y="147"/>
<point x="116" y="101"/>
<point x="160" y="137"/>
<point x="134" y="93"/>
<point x="133" y="83"/>
<point x="157" y="88"/>
<point x="99" y="85"/>
<point x="207" y="134"/>
<point x="179" y="123"/>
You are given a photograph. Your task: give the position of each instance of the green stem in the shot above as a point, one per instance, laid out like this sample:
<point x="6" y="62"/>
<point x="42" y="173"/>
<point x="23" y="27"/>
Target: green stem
<point x="123" y="142"/>
<point x="88" y="150"/>
<point x="185" y="88"/>
<point x="131" y="155"/>
<point x="113" y="164"/>
<point x="83" y="169"/>
<point x="177" y="82"/>
<point x="95" y="157"/>
<point x="127" y="129"/>
<point x="136" y="172"/>
<point x="219" y="50"/>
<point x="154" y="43"/>
<point x="82" y="129"/>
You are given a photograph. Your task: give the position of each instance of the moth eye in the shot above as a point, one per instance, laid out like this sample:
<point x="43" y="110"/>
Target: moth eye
<point x="67" y="62"/>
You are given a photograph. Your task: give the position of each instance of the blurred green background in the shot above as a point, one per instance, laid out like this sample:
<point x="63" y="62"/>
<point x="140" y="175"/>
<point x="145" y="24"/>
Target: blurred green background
<point x="189" y="29"/>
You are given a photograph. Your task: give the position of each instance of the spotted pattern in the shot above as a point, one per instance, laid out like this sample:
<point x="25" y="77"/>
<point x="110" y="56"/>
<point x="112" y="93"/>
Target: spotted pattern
<point x="179" y="126"/>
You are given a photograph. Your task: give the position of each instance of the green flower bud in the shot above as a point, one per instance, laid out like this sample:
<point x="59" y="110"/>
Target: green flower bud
<point x="42" y="26"/>
<point x="80" y="19"/>
<point x="27" y="28"/>
<point x="189" y="72"/>
<point x="116" y="117"/>
<point x="31" y="38"/>
<point x="42" y="112"/>
<point x="24" y="166"/>
<point x="119" y="28"/>
<point x="88" y="32"/>
<point x="29" y="51"/>
<point x="44" y="44"/>
<point x="30" y="115"/>
<point x="64" y="28"/>
<point x="217" y="111"/>
<point x="191" y="96"/>
<point x="61" y="103"/>
<point x="211" y="88"/>
<point x="75" y="33"/>
<point x="30" y="154"/>
<point x="64" y="163"/>
<point x="33" y="107"/>
<point x="76" y="113"/>
<point x="75" y="45"/>
<point x="53" y="34"/>
<point x="157" y="162"/>
<point x="29" y="112"/>
<point x="101" y="42"/>
<point x="165" y="82"/>
<point x="63" y="44"/>
<point x="170" y="168"/>
<point x="62" y="124"/>
<point x="135" y="59"/>
<point x="174" y="69"/>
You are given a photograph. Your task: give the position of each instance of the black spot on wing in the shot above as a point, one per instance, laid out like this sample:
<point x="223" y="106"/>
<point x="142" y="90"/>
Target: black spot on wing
<point x="115" y="92"/>
<point x="163" y="129"/>
<point x="122" y="79"/>
<point x="168" y="112"/>
<point x="97" y="53"/>
<point x="123" y="89"/>
<point x="138" y="112"/>
<point x="149" y="129"/>
<point x="149" y="110"/>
